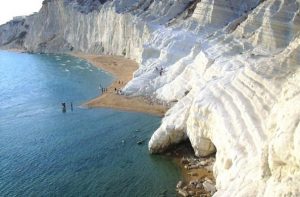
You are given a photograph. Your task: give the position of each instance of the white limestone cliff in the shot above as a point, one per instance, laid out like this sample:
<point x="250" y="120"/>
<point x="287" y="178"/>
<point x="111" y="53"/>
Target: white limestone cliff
<point x="229" y="68"/>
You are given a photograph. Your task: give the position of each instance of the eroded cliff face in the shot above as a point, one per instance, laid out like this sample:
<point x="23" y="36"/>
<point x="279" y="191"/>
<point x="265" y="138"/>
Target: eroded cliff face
<point x="12" y="34"/>
<point x="229" y="68"/>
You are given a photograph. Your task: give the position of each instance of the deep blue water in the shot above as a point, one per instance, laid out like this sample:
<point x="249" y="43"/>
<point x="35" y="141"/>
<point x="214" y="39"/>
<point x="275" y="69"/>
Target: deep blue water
<point x="87" y="152"/>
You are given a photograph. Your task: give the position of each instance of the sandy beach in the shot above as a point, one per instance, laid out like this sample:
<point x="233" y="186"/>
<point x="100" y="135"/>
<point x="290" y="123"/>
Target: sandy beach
<point x="122" y="69"/>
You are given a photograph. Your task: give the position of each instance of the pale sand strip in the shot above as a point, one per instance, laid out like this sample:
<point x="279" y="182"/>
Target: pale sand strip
<point x="122" y="69"/>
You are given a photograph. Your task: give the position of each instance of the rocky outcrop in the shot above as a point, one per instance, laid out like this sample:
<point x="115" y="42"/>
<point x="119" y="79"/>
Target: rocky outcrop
<point x="13" y="33"/>
<point x="228" y="68"/>
<point x="113" y="27"/>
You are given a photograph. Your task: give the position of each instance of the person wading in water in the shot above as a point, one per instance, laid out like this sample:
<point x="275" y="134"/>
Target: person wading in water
<point x="64" y="108"/>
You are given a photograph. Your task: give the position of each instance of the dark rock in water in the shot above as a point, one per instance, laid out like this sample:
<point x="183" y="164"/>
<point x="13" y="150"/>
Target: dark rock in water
<point x="140" y="142"/>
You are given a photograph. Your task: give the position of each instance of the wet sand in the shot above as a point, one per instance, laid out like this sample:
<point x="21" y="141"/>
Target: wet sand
<point x="122" y="69"/>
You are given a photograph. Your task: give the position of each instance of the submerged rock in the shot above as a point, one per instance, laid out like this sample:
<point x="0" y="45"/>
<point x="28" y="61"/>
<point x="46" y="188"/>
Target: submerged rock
<point x="140" y="142"/>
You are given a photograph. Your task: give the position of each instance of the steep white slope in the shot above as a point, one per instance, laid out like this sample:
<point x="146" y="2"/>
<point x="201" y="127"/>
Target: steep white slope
<point x="119" y="27"/>
<point x="60" y="27"/>
<point x="234" y="90"/>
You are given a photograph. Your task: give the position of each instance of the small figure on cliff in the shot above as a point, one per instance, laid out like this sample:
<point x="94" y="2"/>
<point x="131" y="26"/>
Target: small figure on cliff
<point x="161" y="71"/>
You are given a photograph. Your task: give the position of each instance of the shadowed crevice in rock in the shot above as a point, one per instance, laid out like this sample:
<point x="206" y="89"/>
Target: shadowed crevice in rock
<point x="163" y="139"/>
<point x="184" y="149"/>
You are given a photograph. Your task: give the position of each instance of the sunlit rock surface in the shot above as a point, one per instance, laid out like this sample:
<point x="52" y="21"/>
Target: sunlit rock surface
<point x="229" y="69"/>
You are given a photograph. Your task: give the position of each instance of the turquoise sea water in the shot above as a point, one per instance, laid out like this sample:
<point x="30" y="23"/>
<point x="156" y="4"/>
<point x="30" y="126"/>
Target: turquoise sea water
<point x="87" y="152"/>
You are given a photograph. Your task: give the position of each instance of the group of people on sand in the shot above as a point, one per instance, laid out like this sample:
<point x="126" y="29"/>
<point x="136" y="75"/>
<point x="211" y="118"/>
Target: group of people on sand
<point x="104" y="90"/>
<point x="64" y="107"/>
<point x="117" y="91"/>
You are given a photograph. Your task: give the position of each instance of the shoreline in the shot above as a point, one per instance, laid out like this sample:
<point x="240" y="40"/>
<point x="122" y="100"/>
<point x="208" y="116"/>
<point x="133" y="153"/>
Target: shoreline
<point x="122" y="69"/>
<point x="194" y="174"/>
<point x="197" y="175"/>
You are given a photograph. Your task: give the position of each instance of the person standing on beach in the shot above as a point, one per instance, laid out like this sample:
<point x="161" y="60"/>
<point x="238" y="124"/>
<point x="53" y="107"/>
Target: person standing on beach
<point x="71" y="106"/>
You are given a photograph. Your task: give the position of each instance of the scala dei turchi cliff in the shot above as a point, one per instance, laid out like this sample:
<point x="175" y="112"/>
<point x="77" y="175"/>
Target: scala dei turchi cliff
<point x="229" y="69"/>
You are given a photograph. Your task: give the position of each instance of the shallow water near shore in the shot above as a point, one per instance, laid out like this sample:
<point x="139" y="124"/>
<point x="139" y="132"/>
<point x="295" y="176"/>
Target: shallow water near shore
<point x="84" y="152"/>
